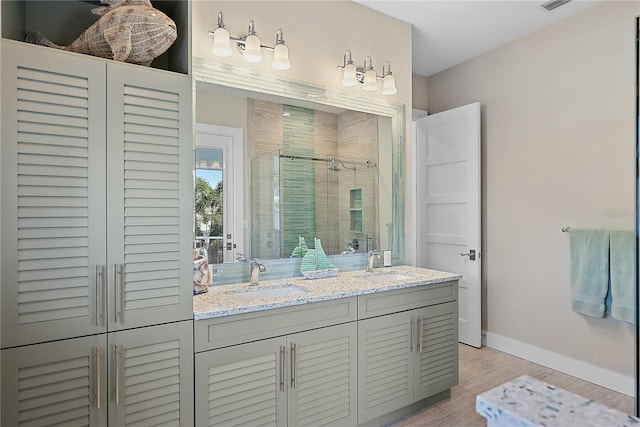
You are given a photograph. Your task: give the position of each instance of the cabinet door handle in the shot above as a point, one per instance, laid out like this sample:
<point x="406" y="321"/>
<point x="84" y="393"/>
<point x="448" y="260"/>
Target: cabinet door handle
<point x="117" y="293"/>
<point x="283" y="362"/>
<point x="411" y="337"/>
<point x="98" y="294"/>
<point x="116" y="356"/>
<point x="293" y="365"/>
<point x="419" y="335"/>
<point x="98" y="376"/>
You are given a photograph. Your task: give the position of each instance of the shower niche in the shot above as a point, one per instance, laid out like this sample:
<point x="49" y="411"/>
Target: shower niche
<point x="328" y="197"/>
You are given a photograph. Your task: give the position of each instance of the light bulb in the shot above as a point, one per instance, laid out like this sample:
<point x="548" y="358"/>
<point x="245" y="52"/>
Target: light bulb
<point x="221" y="45"/>
<point x="281" y="57"/>
<point x="252" y="51"/>
<point x="389" y="85"/>
<point x="349" y="75"/>
<point x="370" y="83"/>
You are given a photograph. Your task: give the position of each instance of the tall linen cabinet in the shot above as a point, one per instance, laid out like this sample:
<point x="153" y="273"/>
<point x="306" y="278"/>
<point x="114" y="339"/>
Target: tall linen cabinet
<point x="96" y="241"/>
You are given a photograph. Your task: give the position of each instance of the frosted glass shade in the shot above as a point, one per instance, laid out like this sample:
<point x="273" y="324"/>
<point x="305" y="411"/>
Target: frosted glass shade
<point x="221" y="45"/>
<point x="281" y="57"/>
<point x="370" y="83"/>
<point x="252" y="51"/>
<point x="349" y="75"/>
<point x="389" y="85"/>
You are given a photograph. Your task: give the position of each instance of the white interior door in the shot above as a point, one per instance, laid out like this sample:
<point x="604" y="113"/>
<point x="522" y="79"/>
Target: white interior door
<point x="221" y="149"/>
<point x="448" y="212"/>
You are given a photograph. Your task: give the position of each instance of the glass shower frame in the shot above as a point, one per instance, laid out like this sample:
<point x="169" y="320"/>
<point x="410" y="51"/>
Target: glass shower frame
<point x="327" y="210"/>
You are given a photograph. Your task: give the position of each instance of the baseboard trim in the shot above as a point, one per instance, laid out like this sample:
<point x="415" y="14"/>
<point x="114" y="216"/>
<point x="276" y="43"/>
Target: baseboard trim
<point x="577" y="368"/>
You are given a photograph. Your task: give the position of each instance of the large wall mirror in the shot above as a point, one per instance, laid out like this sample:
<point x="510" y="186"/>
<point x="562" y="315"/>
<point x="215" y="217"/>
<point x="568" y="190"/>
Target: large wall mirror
<point x="315" y="164"/>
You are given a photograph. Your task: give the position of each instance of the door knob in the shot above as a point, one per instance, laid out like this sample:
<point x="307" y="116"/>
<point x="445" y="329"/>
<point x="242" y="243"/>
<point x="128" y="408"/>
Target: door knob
<point x="471" y="254"/>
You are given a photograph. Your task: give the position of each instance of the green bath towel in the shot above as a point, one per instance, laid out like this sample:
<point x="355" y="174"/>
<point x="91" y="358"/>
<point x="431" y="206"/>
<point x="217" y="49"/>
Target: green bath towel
<point x="623" y="281"/>
<point x="589" y="270"/>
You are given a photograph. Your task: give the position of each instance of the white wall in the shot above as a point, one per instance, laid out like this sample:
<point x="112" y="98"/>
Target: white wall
<point x="420" y="97"/>
<point x="558" y="150"/>
<point x="317" y="34"/>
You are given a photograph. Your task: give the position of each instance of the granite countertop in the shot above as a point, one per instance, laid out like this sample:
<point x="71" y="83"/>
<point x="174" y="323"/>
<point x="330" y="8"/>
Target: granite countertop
<point x="526" y="401"/>
<point x="220" y="301"/>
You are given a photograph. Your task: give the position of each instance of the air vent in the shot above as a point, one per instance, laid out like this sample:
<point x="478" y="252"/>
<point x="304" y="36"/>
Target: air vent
<point x="553" y="4"/>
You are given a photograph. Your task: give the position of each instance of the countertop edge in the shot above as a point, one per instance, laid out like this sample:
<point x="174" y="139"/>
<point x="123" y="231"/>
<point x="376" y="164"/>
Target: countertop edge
<point x="269" y="305"/>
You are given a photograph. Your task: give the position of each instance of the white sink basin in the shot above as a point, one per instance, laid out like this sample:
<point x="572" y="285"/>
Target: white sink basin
<point x="260" y="292"/>
<point x="387" y="276"/>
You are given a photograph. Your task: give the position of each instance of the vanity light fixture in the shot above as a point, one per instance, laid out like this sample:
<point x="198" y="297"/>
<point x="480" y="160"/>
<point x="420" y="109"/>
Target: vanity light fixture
<point x="352" y="75"/>
<point x="388" y="81"/>
<point x="369" y="81"/>
<point x="349" y="76"/>
<point x="249" y="45"/>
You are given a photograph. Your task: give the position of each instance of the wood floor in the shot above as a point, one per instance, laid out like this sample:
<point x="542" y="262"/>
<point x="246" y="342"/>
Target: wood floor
<point x="485" y="368"/>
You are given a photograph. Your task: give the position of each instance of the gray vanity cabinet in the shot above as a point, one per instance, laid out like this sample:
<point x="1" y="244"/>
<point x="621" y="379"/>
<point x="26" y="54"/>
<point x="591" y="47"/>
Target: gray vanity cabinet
<point x="307" y="378"/>
<point x="96" y="241"/>
<point x="96" y="217"/>
<point x="322" y="382"/>
<point x="151" y="376"/>
<point x="385" y="362"/>
<point x="74" y="382"/>
<point x="407" y="356"/>
<point x="242" y="384"/>
<point x="57" y="383"/>
<point x="149" y="192"/>
<point x="436" y="350"/>
<point x="53" y="194"/>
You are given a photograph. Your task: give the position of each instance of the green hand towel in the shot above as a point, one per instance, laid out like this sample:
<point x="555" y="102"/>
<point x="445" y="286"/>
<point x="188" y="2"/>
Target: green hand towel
<point x="589" y="270"/>
<point x="623" y="281"/>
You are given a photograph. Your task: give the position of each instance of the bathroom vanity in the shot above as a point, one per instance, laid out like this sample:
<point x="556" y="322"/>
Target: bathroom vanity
<point x="362" y="348"/>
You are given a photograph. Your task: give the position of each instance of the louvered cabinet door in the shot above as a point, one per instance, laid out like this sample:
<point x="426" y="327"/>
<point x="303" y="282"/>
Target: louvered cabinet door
<point x="436" y="359"/>
<point x="151" y="376"/>
<point x="242" y="385"/>
<point x="323" y="377"/>
<point x="58" y="383"/>
<point x="149" y="188"/>
<point x="385" y="364"/>
<point x="53" y="194"/>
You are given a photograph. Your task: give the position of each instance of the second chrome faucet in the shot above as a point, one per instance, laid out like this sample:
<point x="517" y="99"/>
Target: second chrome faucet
<point x="371" y="257"/>
<point x="256" y="269"/>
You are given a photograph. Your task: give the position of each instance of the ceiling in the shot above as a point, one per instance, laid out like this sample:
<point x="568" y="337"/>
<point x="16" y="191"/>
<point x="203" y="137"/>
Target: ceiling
<point x="448" y="32"/>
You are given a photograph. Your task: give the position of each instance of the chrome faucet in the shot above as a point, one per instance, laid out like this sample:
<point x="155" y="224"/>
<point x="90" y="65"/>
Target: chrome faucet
<point x="349" y="250"/>
<point x="256" y="269"/>
<point x="371" y="257"/>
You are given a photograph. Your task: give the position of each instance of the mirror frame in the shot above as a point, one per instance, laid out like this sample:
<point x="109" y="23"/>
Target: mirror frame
<point x="220" y="74"/>
<point x="637" y="222"/>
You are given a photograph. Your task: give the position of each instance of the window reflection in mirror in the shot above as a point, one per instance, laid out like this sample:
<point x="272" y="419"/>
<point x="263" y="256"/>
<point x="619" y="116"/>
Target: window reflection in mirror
<point x="208" y="202"/>
<point x="218" y="213"/>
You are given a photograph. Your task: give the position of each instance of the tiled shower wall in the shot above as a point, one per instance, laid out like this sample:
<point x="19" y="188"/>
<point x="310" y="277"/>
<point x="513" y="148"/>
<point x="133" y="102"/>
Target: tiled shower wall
<point x="265" y="134"/>
<point x="304" y="132"/>
<point x="358" y="139"/>
<point x="298" y="178"/>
